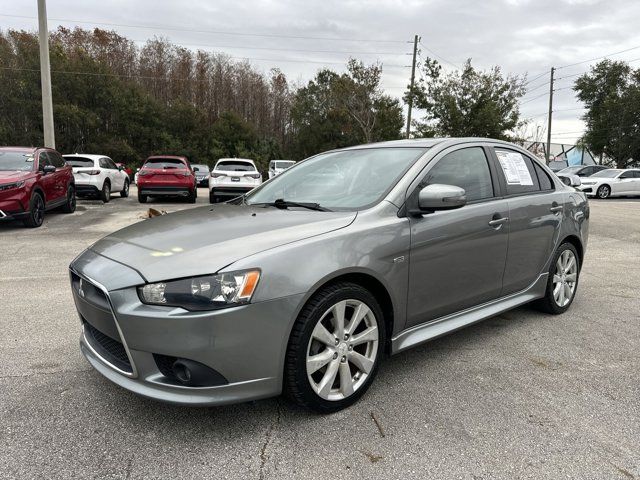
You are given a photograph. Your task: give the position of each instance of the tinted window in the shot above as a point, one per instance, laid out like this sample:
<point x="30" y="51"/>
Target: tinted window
<point x="627" y="175"/>
<point x="543" y="178"/>
<point x="201" y="168"/>
<point x="103" y="163"/>
<point x="56" y="159"/>
<point x="43" y="159"/>
<point x="230" y="166"/>
<point x="111" y="164"/>
<point x="517" y="171"/>
<point x="608" y="173"/>
<point x="79" y="161"/>
<point x="16" y="161"/>
<point x="636" y="173"/>
<point x="467" y="168"/>
<point x="164" y="163"/>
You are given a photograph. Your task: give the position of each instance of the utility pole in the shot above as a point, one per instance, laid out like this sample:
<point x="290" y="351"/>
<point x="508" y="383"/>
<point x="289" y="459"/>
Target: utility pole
<point x="548" y="152"/>
<point x="413" y="77"/>
<point x="45" y="76"/>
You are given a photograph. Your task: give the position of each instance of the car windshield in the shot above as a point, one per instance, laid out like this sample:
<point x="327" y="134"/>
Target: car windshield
<point x="344" y="180"/>
<point x="11" y="161"/>
<point x="283" y="164"/>
<point x="201" y="168"/>
<point x="164" y="163"/>
<point x="79" y="161"/>
<point x="609" y="173"/>
<point x="231" y="166"/>
<point x="572" y="169"/>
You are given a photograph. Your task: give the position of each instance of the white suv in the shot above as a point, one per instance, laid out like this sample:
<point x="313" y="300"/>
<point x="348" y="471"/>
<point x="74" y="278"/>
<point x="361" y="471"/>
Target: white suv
<point x="276" y="167"/>
<point x="232" y="177"/>
<point x="97" y="175"/>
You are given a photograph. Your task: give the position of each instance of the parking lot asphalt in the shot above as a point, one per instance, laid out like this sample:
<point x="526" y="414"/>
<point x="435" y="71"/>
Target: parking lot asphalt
<point x="521" y="395"/>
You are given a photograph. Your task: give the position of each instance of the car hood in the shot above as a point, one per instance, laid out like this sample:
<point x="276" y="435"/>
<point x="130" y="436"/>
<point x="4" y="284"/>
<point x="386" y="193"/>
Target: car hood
<point x="10" y="176"/>
<point x="204" y="240"/>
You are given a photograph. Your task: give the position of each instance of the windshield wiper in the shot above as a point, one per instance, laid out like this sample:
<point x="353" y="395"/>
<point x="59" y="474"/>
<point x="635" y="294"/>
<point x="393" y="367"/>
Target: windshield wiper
<point x="284" y="204"/>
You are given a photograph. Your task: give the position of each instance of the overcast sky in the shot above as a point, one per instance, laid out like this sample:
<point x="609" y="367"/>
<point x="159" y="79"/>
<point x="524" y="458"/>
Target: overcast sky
<point x="521" y="36"/>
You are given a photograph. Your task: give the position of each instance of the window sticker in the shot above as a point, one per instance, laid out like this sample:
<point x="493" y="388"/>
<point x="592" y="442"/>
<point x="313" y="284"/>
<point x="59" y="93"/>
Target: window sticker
<point x="514" y="168"/>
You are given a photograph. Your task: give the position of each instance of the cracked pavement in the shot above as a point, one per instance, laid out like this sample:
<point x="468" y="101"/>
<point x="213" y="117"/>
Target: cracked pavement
<point x="521" y="395"/>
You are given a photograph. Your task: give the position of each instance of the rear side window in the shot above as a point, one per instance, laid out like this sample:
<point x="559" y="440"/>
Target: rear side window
<point x="164" y="163"/>
<point x="543" y="179"/>
<point x="518" y="172"/>
<point x="466" y="168"/>
<point x="231" y="166"/>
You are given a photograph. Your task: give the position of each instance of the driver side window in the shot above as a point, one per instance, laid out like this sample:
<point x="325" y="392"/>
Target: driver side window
<point x="466" y="168"/>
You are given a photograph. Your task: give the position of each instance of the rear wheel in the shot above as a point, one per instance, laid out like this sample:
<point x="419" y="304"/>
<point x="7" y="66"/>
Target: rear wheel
<point x="191" y="198"/>
<point x="142" y="198"/>
<point x="563" y="280"/>
<point x="124" y="193"/>
<point x="36" y="211"/>
<point x="105" y="194"/>
<point x="212" y="197"/>
<point x="335" y="348"/>
<point x="70" y="204"/>
<point x="603" y="191"/>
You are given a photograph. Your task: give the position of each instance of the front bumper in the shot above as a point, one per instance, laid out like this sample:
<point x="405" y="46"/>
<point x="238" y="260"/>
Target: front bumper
<point x="245" y="344"/>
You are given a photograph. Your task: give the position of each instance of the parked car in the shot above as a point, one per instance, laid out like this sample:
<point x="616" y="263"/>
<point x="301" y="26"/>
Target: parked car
<point x="202" y="174"/>
<point x="32" y="181"/>
<point x="97" y="176"/>
<point x="569" y="179"/>
<point x="582" y="170"/>
<point x="135" y="176"/>
<point x="276" y="167"/>
<point x="167" y="176"/>
<point x="612" y="182"/>
<point x="232" y="177"/>
<point x="557" y="165"/>
<point x="302" y="290"/>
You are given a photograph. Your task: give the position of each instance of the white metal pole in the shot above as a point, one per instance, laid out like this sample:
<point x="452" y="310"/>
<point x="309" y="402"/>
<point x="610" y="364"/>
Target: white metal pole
<point x="45" y="76"/>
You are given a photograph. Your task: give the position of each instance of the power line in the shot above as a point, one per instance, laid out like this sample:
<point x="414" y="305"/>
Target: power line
<point x="439" y="56"/>
<point x="534" y="79"/>
<point x="534" y="98"/>
<point x="598" y="58"/>
<point x="537" y="87"/>
<point x="216" y="32"/>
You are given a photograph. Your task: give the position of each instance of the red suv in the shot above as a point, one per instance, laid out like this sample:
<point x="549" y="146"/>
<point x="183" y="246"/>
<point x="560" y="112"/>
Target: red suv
<point x="33" y="180"/>
<point x="167" y="176"/>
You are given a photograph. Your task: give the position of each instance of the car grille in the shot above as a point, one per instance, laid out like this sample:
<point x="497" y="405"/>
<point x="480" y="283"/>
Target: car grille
<point x="109" y="349"/>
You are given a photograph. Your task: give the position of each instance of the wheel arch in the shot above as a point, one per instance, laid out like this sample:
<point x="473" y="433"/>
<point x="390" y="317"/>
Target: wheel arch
<point x="577" y="243"/>
<point x="366" y="280"/>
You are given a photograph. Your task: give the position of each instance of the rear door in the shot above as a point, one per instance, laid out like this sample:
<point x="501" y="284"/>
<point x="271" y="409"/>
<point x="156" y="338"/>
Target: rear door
<point x="626" y="184"/>
<point x="535" y="213"/>
<point x="116" y="176"/>
<point x="457" y="257"/>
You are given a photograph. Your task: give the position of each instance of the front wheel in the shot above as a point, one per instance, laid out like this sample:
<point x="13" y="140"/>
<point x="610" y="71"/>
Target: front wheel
<point x="335" y="348"/>
<point x="124" y="193"/>
<point x="603" y="192"/>
<point x="35" y="216"/>
<point x="563" y="280"/>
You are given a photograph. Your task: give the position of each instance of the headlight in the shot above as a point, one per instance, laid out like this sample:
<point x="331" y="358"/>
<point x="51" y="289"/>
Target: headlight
<point x="8" y="186"/>
<point x="208" y="292"/>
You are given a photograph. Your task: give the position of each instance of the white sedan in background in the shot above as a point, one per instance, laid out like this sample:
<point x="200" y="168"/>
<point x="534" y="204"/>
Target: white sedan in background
<point x="97" y="175"/>
<point x="232" y="177"/>
<point x="612" y="182"/>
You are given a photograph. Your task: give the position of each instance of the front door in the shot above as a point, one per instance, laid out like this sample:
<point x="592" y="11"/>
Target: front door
<point x="457" y="257"/>
<point x="47" y="180"/>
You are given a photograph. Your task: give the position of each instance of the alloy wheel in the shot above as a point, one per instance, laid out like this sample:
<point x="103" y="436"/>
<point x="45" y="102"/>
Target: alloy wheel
<point x="342" y="349"/>
<point x="565" y="278"/>
<point x="603" y="191"/>
<point x="38" y="210"/>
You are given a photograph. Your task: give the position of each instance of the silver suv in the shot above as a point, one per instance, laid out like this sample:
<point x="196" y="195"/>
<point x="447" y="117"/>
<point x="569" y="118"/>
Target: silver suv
<point x="302" y="285"/>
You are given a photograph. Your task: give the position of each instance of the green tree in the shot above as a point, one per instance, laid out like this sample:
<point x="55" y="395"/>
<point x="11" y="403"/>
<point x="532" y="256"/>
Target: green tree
<point x="611" y="94"/>
<point x="467" y="103"/>
<point x="334" y="111"/>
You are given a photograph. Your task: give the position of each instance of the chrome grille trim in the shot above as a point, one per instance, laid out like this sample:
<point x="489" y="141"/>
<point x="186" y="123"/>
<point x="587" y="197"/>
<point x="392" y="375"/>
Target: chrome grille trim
<point x="102" y="288"/>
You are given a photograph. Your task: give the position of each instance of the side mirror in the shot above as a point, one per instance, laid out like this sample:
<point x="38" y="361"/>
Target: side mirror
<point x="570" y="180"/>
<point x="441" y="197"/>
<point x="121" y="168"/>
<point x="48" y="169"/>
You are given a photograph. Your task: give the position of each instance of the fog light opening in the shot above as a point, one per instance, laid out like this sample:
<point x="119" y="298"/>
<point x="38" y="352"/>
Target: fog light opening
<point x="182" y="372"/>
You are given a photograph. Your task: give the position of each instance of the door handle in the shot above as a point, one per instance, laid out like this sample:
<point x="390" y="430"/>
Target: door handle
<point x="556" y="208"/>
<point x="497" y="222"/>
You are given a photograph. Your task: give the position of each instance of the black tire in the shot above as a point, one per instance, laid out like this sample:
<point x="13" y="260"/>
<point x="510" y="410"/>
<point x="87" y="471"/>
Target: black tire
<point x="548" y="303"/>
<point x="70" y="204"/>
<point x="296" y="383"/>
<point x="191" y="198"/>
<point x="604" y="191"/>
<point x="105" y="193"/>
<point x="124" y="193"/>
<point x="35" y="217"/>
<point x="212" y="197"/>
<point x="142" y="198"/>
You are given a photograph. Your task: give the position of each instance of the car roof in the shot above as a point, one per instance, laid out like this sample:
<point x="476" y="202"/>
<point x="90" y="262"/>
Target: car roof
<point x="172" y="157"/>
<point x="22" y="149"/>
<point x="428" y="142"/>
<point x="90" y="156"/>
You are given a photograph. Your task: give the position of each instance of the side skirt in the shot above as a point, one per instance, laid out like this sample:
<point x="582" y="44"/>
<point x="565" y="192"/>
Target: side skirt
<point x="441" y="326"/>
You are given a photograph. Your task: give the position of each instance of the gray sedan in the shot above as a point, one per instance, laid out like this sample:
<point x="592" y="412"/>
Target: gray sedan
<point x="304" y="284"/>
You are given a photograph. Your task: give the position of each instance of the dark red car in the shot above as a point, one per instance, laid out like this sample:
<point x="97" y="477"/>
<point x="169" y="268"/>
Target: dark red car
<point x="167" y="176"/>
<point x="33" y="180"/>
